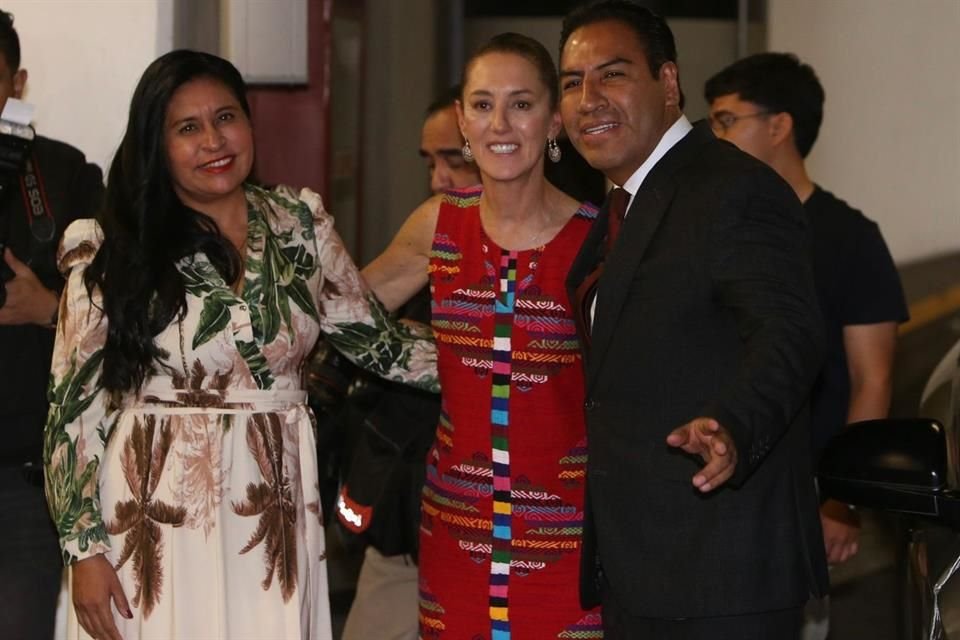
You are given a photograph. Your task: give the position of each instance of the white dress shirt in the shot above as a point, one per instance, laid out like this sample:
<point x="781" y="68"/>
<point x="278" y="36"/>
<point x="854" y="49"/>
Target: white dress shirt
<point x="672" y="136"/>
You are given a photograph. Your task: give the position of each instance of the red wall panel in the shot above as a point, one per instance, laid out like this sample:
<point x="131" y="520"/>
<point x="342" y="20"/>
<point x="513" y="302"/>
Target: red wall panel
<point x="292" y="123"/>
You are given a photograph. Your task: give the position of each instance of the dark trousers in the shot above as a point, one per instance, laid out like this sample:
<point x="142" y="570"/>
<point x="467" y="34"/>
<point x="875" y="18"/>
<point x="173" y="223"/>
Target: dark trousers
<point x="30" y="564"/>
<point x="618" y="624"/>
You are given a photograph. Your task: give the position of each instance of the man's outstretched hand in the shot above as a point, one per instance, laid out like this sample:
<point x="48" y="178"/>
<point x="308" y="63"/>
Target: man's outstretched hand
<point x="706" y="438"/>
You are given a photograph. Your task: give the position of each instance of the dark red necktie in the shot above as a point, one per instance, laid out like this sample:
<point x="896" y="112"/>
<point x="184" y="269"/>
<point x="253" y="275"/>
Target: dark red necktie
<point x="616" y="210"/>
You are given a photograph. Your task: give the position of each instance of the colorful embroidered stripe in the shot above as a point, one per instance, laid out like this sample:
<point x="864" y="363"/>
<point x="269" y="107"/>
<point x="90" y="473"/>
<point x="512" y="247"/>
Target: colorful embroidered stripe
<point x="500" y="448"/>
<point x="464" y="198"/>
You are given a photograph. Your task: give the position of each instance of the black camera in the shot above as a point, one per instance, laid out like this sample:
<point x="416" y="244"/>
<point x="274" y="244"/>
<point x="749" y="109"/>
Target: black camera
<point x="16" y="141"/>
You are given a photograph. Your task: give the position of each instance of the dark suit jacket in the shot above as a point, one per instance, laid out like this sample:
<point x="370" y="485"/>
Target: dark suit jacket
<point x="706" y="307"/>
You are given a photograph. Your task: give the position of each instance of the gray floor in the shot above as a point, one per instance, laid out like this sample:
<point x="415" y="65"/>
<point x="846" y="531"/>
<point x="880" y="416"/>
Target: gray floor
<point x="863" y="591"/>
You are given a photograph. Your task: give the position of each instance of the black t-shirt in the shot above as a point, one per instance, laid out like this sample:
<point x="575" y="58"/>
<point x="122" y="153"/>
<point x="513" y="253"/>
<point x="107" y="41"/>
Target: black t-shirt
<point x="71" y="188"/>
<point x="857" y="283"/>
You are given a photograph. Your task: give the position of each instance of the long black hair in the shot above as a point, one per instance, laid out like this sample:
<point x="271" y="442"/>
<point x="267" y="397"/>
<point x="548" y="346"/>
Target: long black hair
<point x="146" y="227"/>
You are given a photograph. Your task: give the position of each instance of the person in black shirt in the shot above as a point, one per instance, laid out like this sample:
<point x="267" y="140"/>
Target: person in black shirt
<point x="771" y="106"/>
<point x="56" y="187"/>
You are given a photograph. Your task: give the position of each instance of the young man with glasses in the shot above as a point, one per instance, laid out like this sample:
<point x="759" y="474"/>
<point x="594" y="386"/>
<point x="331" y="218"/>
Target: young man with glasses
<point x="771" y="106"/>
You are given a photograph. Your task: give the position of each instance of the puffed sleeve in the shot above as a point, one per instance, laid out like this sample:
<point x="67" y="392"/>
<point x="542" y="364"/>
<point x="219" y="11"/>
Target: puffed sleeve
<point x="79" y="420"/>
<point x="355" y="322"/>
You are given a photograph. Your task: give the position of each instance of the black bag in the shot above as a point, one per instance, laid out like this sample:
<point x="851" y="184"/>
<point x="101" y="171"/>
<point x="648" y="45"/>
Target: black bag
<point x="379" y="500"/>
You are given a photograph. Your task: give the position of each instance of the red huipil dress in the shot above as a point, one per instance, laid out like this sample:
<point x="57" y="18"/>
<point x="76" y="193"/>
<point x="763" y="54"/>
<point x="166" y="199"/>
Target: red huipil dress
<point x="503" y="501"/>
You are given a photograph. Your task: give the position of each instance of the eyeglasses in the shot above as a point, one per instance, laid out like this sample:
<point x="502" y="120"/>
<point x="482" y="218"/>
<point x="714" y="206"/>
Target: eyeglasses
<point x="722" y="121"/>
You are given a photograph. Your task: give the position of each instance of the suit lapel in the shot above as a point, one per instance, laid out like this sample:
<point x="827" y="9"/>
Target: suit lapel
<point x="646" y="212"/>
<point x="590" y="254"/>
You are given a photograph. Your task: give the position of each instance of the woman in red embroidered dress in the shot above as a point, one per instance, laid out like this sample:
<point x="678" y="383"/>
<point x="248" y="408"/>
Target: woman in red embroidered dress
<point x="502" y="509"/>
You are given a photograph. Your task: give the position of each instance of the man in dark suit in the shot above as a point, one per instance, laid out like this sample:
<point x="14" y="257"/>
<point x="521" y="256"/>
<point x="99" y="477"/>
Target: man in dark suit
<point x="702" y="340"/>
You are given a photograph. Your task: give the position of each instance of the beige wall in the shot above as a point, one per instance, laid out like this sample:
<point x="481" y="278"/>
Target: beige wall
<point x="84" y="58"/>
<point x="399" y="86"/>
<point x="703" y="48"/>
<point x="890" y="142"/>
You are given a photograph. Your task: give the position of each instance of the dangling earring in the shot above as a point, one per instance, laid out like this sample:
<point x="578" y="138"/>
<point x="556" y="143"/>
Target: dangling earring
<point x="467" y="151"/>
<point x="553" y="150"/>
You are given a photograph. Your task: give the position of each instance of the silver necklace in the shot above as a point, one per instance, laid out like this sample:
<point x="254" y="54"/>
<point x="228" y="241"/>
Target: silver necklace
<point x="535" y="237"/>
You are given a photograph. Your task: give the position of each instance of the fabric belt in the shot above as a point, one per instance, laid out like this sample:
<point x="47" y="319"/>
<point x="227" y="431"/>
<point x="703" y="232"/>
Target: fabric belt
<point x="214" y="401"/>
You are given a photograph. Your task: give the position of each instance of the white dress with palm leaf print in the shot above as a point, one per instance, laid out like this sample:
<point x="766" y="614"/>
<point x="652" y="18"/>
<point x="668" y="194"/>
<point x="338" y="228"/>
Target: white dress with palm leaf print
<point x="203" y="489"/>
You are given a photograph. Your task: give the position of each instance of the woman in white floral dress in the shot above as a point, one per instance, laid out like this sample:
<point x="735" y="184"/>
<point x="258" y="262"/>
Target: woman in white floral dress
<point x="180" y="455"/>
